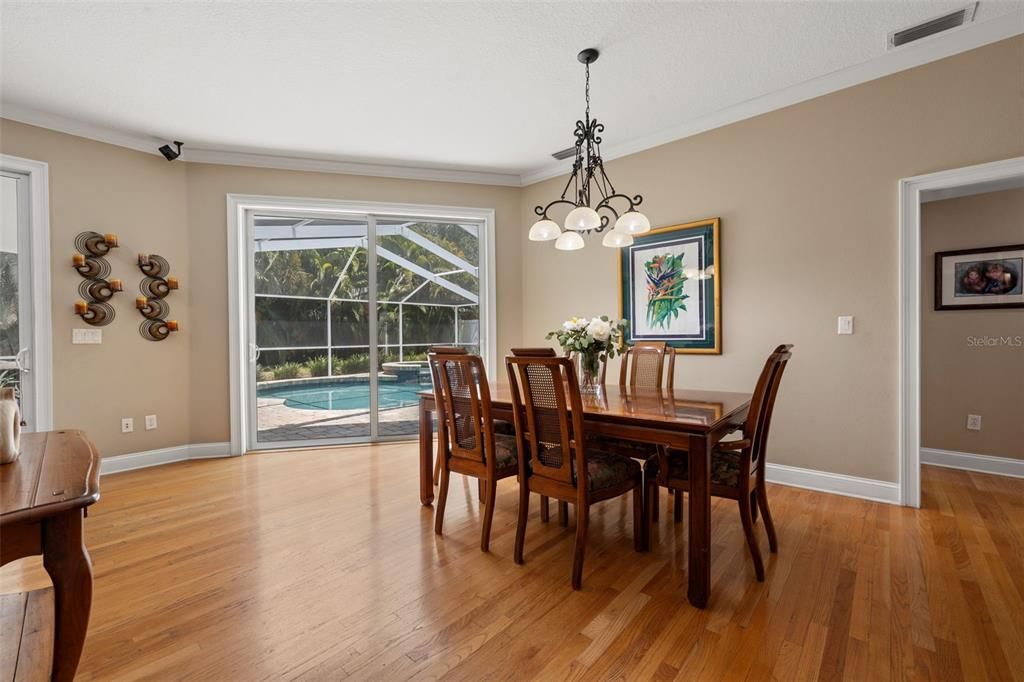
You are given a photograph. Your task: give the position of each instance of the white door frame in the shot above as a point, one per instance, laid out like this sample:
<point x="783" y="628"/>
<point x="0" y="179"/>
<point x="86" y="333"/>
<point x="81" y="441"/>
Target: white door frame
<point x="41" y="360"/>
<point x="239" y="245"/>
<point x="911" y="190"/>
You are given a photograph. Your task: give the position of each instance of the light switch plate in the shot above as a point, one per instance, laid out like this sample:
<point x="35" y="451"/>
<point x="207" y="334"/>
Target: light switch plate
<point x="845" y="324"/>
<point x="86" y="336"/>
<point x="150" y="422"/>
<point x="974" y="422"/>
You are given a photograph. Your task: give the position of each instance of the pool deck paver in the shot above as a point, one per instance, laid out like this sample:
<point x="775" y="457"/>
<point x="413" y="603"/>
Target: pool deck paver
<point x="276" y="422"/>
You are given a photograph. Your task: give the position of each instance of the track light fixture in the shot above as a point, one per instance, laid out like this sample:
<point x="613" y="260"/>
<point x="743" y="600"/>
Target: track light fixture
<point x="171" y="154"/>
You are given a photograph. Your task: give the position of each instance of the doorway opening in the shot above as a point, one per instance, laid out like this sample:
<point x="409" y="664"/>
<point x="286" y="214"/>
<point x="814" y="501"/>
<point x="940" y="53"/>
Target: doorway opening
<point x="913" y="193"/>
<point x="25" y="335"/>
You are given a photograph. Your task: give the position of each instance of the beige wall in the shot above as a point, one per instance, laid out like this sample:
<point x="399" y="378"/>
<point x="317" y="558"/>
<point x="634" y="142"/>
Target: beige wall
<point x="207" y="187"/>
<point x="179" y="211"/>
<point x="958" y="378"/>
<point x="807" y="197"/>
<point x="141" y="197"/>
<point x="808" y="201"/>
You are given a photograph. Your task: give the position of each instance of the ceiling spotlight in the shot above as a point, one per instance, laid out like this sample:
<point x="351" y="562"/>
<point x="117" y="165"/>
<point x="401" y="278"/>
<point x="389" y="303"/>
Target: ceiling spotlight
<point x="171" y="154"/>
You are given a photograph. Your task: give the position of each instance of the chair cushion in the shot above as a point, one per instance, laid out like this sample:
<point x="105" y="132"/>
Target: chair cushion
<point x="506" y="451"/>
<point x="605" y="470"/>
<point x="725" y="467"/>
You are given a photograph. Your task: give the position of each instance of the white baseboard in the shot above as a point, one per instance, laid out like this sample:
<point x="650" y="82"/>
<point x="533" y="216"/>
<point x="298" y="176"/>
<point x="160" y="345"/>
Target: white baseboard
<point x="152" y="458"/>
<point x="986" y="464"/>
<point x="811" y="479"/>
<point x="838" y="484"/>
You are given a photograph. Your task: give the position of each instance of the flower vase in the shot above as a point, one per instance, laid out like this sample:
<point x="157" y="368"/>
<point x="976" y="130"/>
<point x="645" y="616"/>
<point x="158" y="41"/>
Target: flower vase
<point x="588" y="372"/>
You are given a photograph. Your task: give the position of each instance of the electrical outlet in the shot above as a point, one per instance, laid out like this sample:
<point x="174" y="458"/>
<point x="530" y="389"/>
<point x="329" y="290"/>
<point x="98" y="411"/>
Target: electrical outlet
<point x="974" y="422"/>
<point x="86" y="336"/>
<point x="845" y="324"/>
<point x="127" y="425"/>
<point x="150" y="422"/>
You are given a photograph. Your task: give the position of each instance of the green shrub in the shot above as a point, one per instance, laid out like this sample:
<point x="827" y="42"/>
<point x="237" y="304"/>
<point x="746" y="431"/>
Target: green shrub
<point x="317" y="366"/>
<point x="287" y="370"/>
<point x="353" y="364"/>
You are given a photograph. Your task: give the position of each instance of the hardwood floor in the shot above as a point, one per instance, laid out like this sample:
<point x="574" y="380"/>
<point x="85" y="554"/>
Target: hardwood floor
<point x="323" y="565"/>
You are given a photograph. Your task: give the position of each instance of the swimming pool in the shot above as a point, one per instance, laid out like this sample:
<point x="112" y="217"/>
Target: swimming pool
<point x="328" y="395"/>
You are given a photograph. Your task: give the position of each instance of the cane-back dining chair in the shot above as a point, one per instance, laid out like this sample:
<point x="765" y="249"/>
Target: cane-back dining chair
<point x="563" y="507"/>
<point x="548" y="417"/>
<point x="500" y="425"/>
<point x="646" y="364"/>
<point x="737" y="467"/>
<point x="470" y="444"/>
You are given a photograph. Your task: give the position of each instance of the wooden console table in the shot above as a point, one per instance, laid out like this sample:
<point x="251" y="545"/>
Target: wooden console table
<point x="43" y="497"/>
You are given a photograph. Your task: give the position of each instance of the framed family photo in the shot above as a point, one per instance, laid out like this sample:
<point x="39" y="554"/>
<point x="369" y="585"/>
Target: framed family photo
<point x="670" y="287"/>
<point x="984" y="278"/>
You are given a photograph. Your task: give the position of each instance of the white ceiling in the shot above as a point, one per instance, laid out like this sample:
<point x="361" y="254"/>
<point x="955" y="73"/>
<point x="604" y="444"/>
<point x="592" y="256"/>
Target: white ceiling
<point x="487" y="86"/>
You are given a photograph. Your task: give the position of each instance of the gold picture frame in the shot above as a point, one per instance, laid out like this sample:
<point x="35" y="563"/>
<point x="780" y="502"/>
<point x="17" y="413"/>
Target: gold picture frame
<point x="691" y="320"/>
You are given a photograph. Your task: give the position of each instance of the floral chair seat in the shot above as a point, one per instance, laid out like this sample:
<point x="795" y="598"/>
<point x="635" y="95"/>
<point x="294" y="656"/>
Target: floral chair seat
<point x="725" y="468"/>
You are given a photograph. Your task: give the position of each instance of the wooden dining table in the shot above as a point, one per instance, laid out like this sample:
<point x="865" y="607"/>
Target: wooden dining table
<point x="43" y="499"/>
<point x="688" y="422"/>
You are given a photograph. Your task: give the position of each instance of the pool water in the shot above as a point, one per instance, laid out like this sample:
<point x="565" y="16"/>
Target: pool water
<point x="349" y="396"/>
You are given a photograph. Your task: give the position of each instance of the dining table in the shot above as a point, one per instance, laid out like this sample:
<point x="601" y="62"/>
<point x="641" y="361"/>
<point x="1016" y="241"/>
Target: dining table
<point x="688" y="422"/>
<point x="44" y="496"/>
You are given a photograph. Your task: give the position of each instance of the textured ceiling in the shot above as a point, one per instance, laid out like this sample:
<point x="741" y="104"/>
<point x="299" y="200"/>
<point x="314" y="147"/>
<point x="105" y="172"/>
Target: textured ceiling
<point x="486" y="85"/>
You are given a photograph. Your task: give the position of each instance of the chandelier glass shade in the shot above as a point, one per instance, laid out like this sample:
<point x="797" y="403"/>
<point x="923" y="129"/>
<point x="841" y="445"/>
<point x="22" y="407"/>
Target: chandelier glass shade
<point x="590" y="196"/>
<point x="569" y="241"/>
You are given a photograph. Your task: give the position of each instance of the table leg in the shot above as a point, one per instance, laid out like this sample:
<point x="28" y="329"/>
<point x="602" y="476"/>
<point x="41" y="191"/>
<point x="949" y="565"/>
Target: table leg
<point x="426" y="454"/>
<point x="67" y="561"/>
<point x="700" y="521"/>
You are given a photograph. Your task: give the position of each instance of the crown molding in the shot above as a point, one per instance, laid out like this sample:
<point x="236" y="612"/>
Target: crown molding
<point x="232" y="157"/>
<point x="71" y="126"/>
<point x="933" y="48"/>
<point x="927" y="50"/>
<point x="326" y="165"/>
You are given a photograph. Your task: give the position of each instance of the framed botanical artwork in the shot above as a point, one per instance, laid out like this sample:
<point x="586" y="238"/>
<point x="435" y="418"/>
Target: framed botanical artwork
<point x="973" y="279"/>
<point x="671" y="287"/>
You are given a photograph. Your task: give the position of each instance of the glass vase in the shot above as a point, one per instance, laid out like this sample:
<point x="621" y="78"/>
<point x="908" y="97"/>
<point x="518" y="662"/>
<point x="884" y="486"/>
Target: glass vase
<point x="588" y="372"/>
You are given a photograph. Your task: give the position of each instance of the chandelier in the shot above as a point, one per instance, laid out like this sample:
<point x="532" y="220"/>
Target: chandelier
<point x="589" y="183"/>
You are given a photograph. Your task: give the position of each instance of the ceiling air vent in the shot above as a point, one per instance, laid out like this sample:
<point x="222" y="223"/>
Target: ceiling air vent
<point x="566" y="153"/>
<point x="962" y="16"/>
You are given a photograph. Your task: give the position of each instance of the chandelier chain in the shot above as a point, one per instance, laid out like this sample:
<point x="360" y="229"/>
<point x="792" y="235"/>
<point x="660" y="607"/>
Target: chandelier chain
<point x="587" y="92"/>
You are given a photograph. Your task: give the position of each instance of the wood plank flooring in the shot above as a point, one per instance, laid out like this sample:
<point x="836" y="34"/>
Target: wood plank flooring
<point x="322" y="565"/>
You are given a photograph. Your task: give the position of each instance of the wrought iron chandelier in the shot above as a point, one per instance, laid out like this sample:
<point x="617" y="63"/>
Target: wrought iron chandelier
<point x="588" y="182"/>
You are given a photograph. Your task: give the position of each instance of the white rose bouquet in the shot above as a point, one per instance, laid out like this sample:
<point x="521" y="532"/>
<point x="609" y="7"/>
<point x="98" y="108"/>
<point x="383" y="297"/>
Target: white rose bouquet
<point x="592" y="341"/>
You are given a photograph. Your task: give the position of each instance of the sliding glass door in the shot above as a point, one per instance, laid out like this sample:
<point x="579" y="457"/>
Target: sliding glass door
<point x="342" y="311"/>
<point x="428" y="293"/>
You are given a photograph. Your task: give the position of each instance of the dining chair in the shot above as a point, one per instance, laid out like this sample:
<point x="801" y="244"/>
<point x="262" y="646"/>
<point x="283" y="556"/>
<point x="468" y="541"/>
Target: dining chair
<point x="471" y="446"/>
<point x="647" y="364"/>
<point x="439" y="401"/>
<point x="500" y="425"/>
<point x="548" y="416"/>
<point x="563" y="507"/>
<point x="737" y="467"/>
